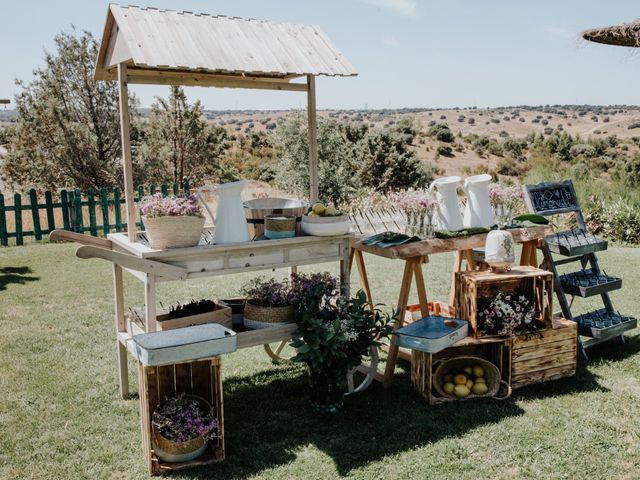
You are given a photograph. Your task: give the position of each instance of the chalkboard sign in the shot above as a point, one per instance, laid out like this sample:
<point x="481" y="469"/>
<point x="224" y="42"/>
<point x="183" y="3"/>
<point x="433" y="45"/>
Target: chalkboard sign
<point x="552" y="198"/>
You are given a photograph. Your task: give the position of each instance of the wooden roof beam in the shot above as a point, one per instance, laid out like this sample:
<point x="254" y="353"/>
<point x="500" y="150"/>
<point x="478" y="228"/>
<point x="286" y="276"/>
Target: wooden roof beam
<point x="167" y="77"/>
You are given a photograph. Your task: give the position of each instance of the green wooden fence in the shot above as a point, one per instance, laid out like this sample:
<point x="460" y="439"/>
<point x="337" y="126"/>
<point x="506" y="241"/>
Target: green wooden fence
<point x="74" y="207"/>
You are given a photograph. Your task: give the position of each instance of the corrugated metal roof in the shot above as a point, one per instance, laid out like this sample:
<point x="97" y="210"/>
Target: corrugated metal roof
<point x="164" y="39"/>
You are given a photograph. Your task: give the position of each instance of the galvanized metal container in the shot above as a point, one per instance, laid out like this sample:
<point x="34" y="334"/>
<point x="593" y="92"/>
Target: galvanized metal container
<point x="432" y="334"/>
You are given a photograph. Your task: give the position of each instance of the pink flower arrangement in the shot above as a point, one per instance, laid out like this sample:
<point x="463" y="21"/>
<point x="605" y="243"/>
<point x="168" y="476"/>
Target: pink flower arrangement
<point x="504" y="196"/>
<point x="170" y="206"/>
<point x="411" y="200"/>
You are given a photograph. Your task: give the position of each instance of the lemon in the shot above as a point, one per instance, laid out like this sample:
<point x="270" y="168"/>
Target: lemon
<point x="468" y="370"/>
<point x="460" y="379"/>
<point x="448" y="377"/>
<point x="480" y="380"/>
<point x="461" y="391"/>
<point x="448" y="387"/>
<point x="479" y="388"/>
<point x="469" y="383"/>
<point x="319" y="209"/>
<point x="478" y="371"/>
<point x="330" y="212"/>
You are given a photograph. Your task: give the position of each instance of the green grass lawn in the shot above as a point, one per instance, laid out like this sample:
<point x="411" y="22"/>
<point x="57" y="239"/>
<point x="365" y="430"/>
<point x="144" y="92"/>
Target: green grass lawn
<point x="61" y="416"/>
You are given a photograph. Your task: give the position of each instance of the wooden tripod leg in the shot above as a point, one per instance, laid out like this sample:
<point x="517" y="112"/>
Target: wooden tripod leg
<point x="529" y="254"/>
<point x="457" y="267"/>
<point x="422" y="289"/>
<point x="362" y="273"/>
<point x="403" y="299"/>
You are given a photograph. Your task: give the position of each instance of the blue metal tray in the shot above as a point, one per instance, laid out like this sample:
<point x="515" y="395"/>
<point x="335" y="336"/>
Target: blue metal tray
<point x="432" y="334"/>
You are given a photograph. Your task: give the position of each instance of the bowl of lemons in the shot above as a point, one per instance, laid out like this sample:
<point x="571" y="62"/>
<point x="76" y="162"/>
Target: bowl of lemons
<point x="467" y="377"/>
<point x="325" y="221"/>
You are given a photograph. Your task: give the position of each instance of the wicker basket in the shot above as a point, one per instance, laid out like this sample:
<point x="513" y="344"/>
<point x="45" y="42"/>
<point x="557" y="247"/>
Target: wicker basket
<point x="492" y="375"/>
<point x="173" y="231"/>
<point x="256" y="317"/>
<point x="170" y="451"/>
<point x="279" y="226"/>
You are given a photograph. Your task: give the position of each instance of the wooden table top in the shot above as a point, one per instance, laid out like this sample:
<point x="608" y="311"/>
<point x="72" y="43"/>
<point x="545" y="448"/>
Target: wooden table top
<point x="429" y="246"/>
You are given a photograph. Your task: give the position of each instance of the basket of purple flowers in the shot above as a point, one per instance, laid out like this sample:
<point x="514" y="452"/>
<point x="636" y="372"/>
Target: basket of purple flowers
<point x="172" y="221"/>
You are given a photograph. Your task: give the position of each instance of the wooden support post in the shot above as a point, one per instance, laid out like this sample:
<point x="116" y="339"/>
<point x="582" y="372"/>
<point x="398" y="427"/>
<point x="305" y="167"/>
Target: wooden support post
<point x="345" y="269"/>
<point x="127" y="166"/>
<point x="313" y="139"/>
<point x="150" y="303"/>
<point x="118" y="294"/>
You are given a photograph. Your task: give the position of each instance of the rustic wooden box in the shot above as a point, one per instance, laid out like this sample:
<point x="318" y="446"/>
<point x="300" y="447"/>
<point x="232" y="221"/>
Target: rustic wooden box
<point x="546" y="355"/>
<point x="473" y="285"/>
<point x="221" y="314"/>
<point x="493" y="349"/>
<point x="202" y="378"/>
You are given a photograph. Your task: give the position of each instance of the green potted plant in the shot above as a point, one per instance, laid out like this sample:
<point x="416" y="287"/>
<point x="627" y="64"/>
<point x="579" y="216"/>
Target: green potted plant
<point x="268" y="303"/>
<point x="333" y="336"/>
<point x="182" y="425"/>
<point x="172" y="221"/>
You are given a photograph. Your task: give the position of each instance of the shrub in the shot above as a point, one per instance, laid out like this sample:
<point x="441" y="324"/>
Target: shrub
<point x="441" y="133"/>
<point x="584" y="149"/>
<point x="544" y="122"/>
<point x="444" y="150"/>
<point x="471" y="121"/>
<point x="509" y="167"/>
<point x="618" y="221"/>
<point x="633" y="125"/>
<point x="548" y="130"/>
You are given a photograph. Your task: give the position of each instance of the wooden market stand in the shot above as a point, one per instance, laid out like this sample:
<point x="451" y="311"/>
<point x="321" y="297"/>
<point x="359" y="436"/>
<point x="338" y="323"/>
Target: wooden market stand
<point x="415" y="254"/>
<point x="163" y="47"/>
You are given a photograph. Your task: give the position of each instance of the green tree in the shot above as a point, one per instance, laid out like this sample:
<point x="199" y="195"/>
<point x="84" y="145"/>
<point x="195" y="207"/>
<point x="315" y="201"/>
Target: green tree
<point x="335" y="175"/>
<point x="178" y="143"/>
<point x="67" y="132"/>
<point x="387" y="163"/>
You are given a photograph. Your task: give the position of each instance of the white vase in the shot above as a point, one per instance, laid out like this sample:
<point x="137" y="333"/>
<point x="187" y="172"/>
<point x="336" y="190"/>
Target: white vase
<point x="499" y="250"/>
<point x="229" y="223"/>
<point x="449" y="215"/>
<point x="478" y="212"/>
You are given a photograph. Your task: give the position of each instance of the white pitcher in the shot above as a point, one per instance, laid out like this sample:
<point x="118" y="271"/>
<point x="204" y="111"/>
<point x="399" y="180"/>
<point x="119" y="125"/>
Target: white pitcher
<point x="230" y="223"/>
<point x="478" y="212"/>
<point x="449" y="214"/>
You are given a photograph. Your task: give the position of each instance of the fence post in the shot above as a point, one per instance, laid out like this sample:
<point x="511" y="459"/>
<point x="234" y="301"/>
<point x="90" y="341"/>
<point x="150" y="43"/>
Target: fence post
<point x="51" y="221"/>
<point x="185" y="186"/>
<point x="91" y="205"/>
<point x="4" y="239"/>
<point x="116" y="204"/>
<point x="164" y="189"/>
<point x="104" y="206"/>
<point x="77" y="211"/>
<point x="64" y="200"/>
<point x="152" y="189"/>
<point x="17" y="210"/>
<point x="176" y="188"/>
<point x="35" y="214"/>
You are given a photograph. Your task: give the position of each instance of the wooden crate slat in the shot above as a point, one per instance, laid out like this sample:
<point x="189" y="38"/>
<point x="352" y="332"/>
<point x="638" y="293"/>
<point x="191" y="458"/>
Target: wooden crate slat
<point x="183" y="378"/>
<point x="201" y="378"/>
<point x="166" y="381"/>
<point x="554" y="348"/>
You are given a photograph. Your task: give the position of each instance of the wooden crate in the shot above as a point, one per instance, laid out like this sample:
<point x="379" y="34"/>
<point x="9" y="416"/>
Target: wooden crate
<point x="471" y="286"/>
<point x="202" y="378"/>
<point x="423" y="364"/>
<point x="221" y="314"/>
<point x="546" y="355"/>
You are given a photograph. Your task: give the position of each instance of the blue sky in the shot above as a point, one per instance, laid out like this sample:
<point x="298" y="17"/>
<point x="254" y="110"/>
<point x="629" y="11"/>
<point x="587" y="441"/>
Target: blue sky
<point x="409" y="53"/>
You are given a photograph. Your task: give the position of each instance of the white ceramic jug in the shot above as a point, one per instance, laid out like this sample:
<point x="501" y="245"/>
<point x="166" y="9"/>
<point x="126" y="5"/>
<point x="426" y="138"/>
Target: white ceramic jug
<point x="499" y="250"/>
<point x="478" y="212"/>
<point x="230" y="223"/>
<point x="449" y="215"/>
